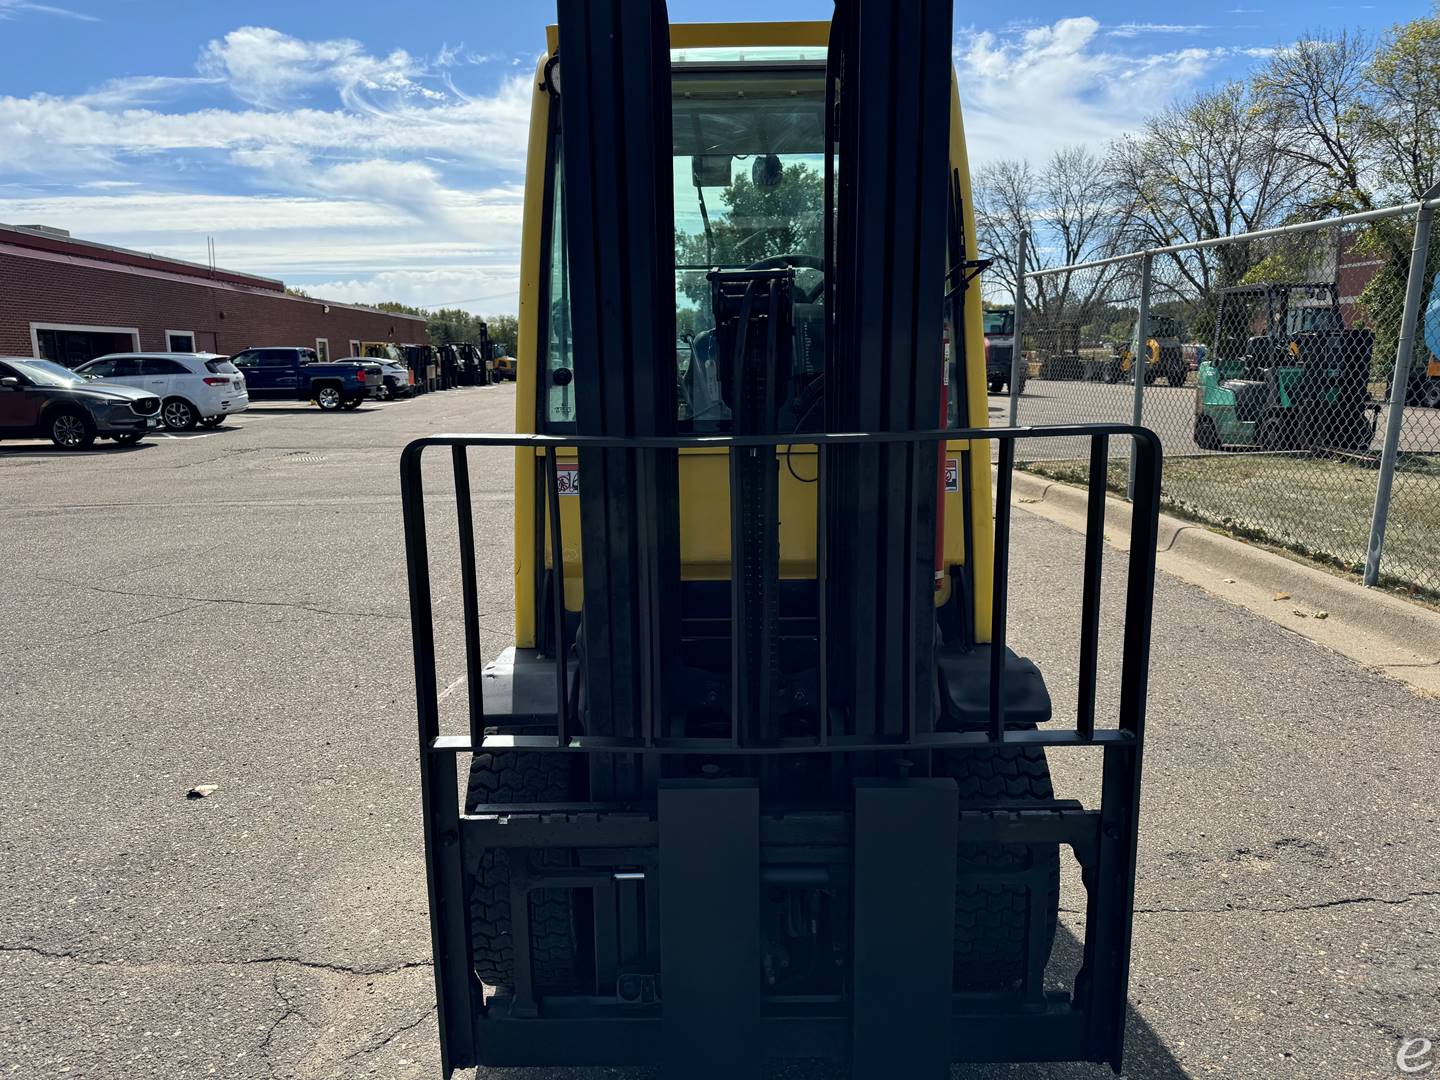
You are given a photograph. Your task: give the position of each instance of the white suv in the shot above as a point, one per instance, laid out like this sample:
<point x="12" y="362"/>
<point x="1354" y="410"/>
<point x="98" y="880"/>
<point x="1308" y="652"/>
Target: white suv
<point x="194" y="388"/>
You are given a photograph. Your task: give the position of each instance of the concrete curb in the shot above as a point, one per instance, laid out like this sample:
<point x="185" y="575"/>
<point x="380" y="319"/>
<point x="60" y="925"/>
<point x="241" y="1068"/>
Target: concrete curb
<point x="1373" y="628"/>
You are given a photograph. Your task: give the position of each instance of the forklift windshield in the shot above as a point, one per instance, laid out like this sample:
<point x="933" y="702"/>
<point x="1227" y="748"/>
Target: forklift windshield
<point x="749" y="176"/>
<point x="748" y="182"/>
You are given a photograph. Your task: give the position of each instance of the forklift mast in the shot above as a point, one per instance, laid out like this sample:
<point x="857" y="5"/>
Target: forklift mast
<point x="727" y="810"/>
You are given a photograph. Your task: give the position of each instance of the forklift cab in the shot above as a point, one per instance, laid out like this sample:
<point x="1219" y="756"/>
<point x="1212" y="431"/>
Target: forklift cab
<point x="760" y="776"/>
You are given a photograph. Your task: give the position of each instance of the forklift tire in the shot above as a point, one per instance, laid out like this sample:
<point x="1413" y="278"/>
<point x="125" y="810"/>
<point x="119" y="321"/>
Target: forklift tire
<point x="1207" y="436"/>
<point x="990" y="919"/>
<point x="1177" y="378"/>
<point x="521" y="777"/>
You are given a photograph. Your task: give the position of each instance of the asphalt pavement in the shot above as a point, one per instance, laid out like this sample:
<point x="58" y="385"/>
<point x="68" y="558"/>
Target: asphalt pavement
<point x="229" y="608"/>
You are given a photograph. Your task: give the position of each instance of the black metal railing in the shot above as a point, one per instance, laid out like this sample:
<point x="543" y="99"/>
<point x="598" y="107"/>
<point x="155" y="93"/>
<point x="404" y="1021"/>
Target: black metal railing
<point x="1086" y="1023"/>
<point x="653" y="737"/>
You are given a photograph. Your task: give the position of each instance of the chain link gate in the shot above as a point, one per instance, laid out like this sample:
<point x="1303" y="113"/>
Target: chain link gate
<point x="1267" y="366"/>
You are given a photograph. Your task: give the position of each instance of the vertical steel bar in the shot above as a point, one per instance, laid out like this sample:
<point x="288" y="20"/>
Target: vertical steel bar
<point x="444" y="877"/>
<point x="1140" y="362"/>
<point x="737" y="606"/>
<point x="1090" y="596"/>
<point x="474" y="661"/>
<point x="1017" y="361"/>
<point x="1000" y="586"/>
<point x="557" y="598"/>
<point x="1399" y="386"/>
<point x="822" y="569"/>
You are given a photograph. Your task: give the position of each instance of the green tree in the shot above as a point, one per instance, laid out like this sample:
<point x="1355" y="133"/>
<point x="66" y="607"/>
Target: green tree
<point x="504" y="331"/>
<point x="756" y="223"/>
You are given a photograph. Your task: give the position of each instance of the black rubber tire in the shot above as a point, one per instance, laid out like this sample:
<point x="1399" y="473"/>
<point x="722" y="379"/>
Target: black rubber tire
<point x="129" y="439"/>
<point x="70" y="435"/>
<point x="1207" y="435"/>
<point x="516" y="778"/>
<point x="212" y="421"/>
<point x="1274" y="433"/>
<point x="1177" y="378"/>
<point x="328" y="401"/>
<point x="997" y="386"/>
<point x="351" y="404"/>
<point x="178" y="414"/>
<point x="990" y="919"/>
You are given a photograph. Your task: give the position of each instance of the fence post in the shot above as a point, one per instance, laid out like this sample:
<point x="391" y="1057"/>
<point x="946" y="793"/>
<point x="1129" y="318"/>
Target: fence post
<point x="1399" y="385"/>
<point x="1139" y="359"/>
<point x="1017" y="350"/>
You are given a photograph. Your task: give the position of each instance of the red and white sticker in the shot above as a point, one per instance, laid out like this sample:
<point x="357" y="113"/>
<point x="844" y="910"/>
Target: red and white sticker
<point x="567" y="477"/>
<point x="952" y="474"/>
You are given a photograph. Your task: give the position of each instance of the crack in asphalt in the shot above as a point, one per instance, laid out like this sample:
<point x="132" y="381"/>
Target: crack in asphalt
<point x="118" y="626"/>
<point x="388" y="1039"/>
<point x="287" y="1009"/>
<point x="230" y="600"/>
<point x="82" y="957"/>
<point x="1233" y="909"/>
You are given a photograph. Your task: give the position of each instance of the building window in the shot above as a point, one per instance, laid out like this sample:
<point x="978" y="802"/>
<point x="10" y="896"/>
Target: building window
<point x="322" y="349"/>
<point x="354" y="348"/>
<point x="179" y="341"/>
<point x="76" y="345"/>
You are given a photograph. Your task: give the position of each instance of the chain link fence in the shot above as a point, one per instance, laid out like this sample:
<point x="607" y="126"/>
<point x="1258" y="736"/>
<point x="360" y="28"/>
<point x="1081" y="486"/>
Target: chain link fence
<point x="1266" y="363"/>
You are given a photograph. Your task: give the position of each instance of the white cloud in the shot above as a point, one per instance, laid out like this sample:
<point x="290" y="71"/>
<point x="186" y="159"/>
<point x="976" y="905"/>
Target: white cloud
<point x="491" y="129"/>
<point x="266" y="68"/>
<point x="11" y="9"/>
<point x="1127" y="30"/>
<point x="138" y="90"/>
<point x="488" y="288"/>
<point x="1028" y="91"/>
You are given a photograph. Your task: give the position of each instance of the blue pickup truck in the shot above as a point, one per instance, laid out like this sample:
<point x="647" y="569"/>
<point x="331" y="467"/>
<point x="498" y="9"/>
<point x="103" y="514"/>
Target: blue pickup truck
<point x="293" y="374"/>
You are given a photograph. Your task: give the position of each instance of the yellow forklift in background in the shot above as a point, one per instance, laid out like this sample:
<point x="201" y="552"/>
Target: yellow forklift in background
<point x="761" y="777"/>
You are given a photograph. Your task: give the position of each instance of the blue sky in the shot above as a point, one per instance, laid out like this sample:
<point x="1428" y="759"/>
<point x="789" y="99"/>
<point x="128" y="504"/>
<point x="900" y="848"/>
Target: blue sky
<point x="375" y="151"/>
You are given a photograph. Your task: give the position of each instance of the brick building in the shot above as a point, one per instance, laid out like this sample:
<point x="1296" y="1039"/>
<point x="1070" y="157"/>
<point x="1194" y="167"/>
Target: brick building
<point x="72" y="300"/>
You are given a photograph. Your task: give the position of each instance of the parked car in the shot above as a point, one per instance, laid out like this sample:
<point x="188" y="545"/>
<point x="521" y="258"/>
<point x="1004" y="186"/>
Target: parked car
<point x="194" y="388"/>
<point x="295" y="374"/>
<point x="41" y="399"/>
<point x="398" y="380"/>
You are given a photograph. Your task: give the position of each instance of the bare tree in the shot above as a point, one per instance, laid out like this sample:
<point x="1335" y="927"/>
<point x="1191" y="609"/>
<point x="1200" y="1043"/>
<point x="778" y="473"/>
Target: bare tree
<point x="1006" y="197"/>
<point x="1066" y="211"/>
<point x="1210" y="167"/>
<point x="1314" y="93"/>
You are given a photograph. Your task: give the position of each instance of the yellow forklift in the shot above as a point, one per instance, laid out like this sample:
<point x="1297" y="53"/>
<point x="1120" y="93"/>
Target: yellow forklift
<point x="760" y="777"/>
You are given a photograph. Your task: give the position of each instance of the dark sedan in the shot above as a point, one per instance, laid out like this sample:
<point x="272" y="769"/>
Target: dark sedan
<point x="41" y="399"/>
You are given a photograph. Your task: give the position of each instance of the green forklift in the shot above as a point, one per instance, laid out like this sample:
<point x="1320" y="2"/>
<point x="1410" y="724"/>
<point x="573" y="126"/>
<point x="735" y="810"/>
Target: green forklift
<point x="1286" y="373"/>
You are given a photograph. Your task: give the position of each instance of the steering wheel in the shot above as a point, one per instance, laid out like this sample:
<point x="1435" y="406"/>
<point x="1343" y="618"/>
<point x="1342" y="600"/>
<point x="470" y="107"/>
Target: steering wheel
<point x="794" y="259"/>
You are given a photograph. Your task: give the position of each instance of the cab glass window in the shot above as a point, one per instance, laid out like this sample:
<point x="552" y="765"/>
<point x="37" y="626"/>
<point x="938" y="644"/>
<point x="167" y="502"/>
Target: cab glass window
<point x="276" y="358"/>
<point x="559" y="354"/>
<point x="999" y="322"/>
<point x="748" y="179"/>
<point x="159" y="365"/>
<point x="245" y="360"/>
<point x="749" y="186"/>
